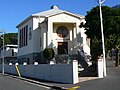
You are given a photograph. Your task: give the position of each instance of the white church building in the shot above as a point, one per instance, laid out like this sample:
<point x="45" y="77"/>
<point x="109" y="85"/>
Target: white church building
<point x="54" y="28"/>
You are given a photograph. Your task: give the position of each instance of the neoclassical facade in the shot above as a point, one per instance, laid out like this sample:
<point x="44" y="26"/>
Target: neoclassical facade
<point x="54" y="28"/>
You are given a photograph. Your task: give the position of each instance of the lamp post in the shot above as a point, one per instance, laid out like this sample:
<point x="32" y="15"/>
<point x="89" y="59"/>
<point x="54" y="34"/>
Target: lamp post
<point x="1" y="31"/>
<point x="103" y="45"/>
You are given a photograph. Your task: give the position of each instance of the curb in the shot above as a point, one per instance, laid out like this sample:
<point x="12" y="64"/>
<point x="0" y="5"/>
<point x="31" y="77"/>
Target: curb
<point x="36" y="82"/>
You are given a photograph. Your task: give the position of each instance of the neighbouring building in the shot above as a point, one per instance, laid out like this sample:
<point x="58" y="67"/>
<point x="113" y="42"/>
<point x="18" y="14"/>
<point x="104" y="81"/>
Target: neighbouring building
<point x="54" y="28"/>
<point x="9" y="54"/>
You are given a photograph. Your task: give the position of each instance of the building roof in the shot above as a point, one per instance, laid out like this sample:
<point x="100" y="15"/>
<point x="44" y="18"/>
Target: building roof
<point x="9" y="45"/>
<point x="53" y="11"/>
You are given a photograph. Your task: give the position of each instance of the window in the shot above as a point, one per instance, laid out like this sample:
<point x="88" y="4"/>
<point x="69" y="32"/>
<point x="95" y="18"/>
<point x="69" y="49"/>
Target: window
<point x="23" y="38"/>
<point x="26" y="35"/>
<point x="12" y="52"/>
<point x="30" y="33"/>
<point x="28" y="61"/>
<point x="62" y="31"/>
<point x="20" y="39"/>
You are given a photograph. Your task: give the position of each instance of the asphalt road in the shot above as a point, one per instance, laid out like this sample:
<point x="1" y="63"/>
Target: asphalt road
<point x="111" y="82"/>
<point x="8" y="83"/>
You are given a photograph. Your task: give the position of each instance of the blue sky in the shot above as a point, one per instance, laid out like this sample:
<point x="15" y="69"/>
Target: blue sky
<point x="12" y="12"/>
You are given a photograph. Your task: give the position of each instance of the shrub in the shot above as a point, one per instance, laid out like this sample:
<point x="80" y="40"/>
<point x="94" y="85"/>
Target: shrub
<point x="48" y="53"/>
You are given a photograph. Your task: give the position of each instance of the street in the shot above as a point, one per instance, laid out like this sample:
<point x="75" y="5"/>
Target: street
<point x="111" y="82"/>
<point x="8" y="83"/>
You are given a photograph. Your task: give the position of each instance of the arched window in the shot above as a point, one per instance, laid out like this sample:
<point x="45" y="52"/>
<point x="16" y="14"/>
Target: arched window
<point x="62" y="31"/>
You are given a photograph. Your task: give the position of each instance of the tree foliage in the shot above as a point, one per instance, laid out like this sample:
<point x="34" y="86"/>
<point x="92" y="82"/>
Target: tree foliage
<point x="111" y="23"/>
<point x="10" y="38"/>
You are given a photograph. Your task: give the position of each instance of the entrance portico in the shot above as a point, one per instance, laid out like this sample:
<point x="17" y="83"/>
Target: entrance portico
<point x="63" y="38"/>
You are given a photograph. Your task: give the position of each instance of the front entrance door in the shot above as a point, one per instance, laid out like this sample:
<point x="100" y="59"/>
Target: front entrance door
<point x="62" y="47"/>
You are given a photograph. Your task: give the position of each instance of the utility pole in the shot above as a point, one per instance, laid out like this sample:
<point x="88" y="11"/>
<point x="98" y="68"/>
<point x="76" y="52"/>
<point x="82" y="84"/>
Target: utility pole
<point x="3" y="64"/>
<point x="3" y="54"/>
<point x="103" y="45"/>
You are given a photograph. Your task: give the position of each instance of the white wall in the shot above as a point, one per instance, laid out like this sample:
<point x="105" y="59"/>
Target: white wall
<point x="36" y="35"/>
<point x="39" y="34"/>
<point x="63" y="17"/>
<point x="64" y="73"/>
<point x="29" y="48"/>
<point x="84" y="45"/>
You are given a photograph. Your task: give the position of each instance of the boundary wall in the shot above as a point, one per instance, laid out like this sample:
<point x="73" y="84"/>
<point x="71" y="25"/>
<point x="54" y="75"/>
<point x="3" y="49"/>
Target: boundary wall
<point x="63" y="73"/>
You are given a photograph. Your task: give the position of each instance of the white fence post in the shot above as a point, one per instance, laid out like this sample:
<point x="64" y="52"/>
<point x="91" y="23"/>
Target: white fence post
<point x="100" y="67"/>
<point x="75" y="71"/>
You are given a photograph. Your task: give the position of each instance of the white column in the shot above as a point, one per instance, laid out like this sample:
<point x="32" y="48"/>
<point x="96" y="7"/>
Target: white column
<point x="44" y="40"/>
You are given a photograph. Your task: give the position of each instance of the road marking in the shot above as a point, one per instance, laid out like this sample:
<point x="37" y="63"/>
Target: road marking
<point x="16" y="66"/>
<point x="73" y="88"/>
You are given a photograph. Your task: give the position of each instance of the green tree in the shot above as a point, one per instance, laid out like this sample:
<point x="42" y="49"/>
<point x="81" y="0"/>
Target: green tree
<point x="10" y="38"/>
<point x="111" y="23"/>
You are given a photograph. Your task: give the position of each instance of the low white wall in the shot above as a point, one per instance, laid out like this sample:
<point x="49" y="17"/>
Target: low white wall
<point x="64" y="73"/>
